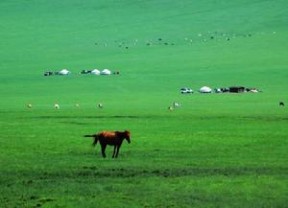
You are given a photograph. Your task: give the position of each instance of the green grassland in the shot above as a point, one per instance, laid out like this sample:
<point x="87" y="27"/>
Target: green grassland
<point x="216" y="150"/>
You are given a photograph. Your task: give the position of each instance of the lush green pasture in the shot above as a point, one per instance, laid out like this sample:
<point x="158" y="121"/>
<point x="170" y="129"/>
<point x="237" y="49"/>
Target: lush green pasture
<point x="215" y="150"/>
<point x="182" y="158"/>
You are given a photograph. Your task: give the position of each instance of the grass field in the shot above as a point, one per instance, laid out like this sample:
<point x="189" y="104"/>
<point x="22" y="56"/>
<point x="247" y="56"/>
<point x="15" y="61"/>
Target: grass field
<point x="216" y="150"/>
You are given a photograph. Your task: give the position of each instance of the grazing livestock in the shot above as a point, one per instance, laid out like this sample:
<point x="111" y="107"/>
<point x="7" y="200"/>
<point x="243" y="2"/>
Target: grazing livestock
<point x="176" y="105"/>
<point x="281" y="103"/>
<point x="56" y="106"/>
<point x="100" y="105"/>
<point x="112" y="138"/>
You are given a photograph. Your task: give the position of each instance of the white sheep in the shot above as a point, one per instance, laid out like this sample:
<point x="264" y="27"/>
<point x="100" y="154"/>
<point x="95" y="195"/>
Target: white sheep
<point x="56" y="106"/>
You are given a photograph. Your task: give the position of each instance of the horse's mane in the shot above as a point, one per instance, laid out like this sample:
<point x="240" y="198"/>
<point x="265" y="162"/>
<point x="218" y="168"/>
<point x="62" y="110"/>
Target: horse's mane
<point x="122" y="134"/>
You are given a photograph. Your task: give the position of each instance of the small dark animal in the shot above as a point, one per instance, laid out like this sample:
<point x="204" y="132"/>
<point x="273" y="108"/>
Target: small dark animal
<point x="281" y="104"/>
<point x="112" y="138"/>
<point x="100" y="105"/>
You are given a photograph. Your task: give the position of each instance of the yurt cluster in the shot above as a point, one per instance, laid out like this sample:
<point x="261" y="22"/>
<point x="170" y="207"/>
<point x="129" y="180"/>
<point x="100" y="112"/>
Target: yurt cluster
<point x="65" y="72"/>
<point x="233" y="89"/>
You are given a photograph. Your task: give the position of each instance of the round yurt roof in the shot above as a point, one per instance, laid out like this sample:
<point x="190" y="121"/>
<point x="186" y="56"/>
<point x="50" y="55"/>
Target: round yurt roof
<point x="205" y="89"/>
<point x="95" y="71"/>
<point x="64" y="72"/>
<point x="106" y="72"/>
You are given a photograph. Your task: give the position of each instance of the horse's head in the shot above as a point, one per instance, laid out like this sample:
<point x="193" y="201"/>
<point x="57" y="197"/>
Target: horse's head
<point x="127" y="136"/>
<point x="123" y="135"/>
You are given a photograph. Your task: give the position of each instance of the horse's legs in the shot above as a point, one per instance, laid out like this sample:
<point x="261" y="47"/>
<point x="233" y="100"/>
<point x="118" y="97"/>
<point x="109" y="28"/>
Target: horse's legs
<point x="117" y="151"/>
<point x="114" y="151"/>
<point x="103" y="147"/>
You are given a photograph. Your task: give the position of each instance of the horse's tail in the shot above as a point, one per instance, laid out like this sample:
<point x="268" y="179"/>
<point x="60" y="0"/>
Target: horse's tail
<point x="90" y="135"/>
<point x="95" y="136"/>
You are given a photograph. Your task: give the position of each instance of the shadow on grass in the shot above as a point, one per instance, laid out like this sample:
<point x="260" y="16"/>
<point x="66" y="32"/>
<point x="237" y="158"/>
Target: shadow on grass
<point x="198" y="117"/>
<point x="85" y="173"/>
<point x="82" y="120"/>
<point x="93" y="172"/>
<point x="91" y="117"/>
<point x="179" y="172"/>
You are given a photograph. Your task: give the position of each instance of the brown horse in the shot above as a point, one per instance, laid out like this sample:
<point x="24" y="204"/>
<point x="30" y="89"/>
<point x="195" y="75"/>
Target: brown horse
<point x="113" y="138"/>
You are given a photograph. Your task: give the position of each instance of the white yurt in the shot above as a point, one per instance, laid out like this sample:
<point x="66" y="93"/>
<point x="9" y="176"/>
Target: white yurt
<point x="205" y="89"/>
<point x="106" y="72"/>
<point x="95" y="71"/>
<point x="64" y="72"/>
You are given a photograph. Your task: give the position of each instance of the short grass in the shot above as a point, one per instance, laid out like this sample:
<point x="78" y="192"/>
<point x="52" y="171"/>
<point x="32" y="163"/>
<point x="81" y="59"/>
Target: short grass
<point x="216" y="150"/>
